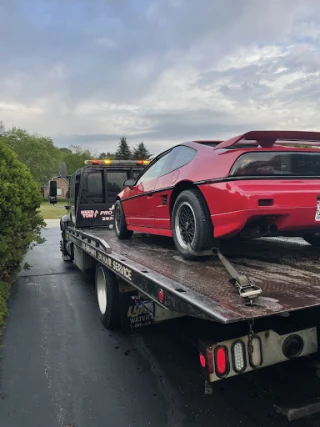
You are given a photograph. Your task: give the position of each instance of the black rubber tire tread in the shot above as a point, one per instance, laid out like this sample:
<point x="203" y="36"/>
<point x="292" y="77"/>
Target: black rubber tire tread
<point x="313" y="239"/>
<point x="124" y="233"/>
<point x="204" y="239"/>
<point x="111" y="319"/>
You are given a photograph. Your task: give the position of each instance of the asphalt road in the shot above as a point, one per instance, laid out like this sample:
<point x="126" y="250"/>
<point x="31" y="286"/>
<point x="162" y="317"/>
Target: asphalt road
<point x="59" y="366"/>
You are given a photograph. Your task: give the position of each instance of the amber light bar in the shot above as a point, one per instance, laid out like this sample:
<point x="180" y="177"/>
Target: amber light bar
<point x="106" y="162"/>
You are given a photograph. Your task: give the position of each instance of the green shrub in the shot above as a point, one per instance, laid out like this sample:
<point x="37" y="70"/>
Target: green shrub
<point x="20" y="222"/>
<point x="4" y="291"/>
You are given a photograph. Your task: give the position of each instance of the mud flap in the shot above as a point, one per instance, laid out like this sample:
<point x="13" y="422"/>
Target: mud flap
<point x="133" y="315"/>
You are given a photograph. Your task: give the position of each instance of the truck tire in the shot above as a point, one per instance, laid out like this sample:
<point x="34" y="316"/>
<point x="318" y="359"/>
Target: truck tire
<point x="107" y="290"/>
<point x="192" y="227"/>
<point x="66" y="257"/>
<point x="120" y="225"/>
<point x="313" y="239"/>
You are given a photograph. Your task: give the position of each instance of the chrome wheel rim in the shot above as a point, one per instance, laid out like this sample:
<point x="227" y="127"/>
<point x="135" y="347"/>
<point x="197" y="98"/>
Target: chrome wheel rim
<point x="101" y="291"/>
<point x="185" y="225"/>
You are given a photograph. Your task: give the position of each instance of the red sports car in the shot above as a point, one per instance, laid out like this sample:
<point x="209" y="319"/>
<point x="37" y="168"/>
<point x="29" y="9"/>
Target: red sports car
<point x="262" y="183"/>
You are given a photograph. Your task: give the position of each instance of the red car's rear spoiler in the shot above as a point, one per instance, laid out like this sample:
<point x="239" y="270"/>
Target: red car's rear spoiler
<point x="267" y="138"/>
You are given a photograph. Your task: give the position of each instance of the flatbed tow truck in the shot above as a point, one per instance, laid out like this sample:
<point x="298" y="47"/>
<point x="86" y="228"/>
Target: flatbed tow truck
<point x="262" y="307"/>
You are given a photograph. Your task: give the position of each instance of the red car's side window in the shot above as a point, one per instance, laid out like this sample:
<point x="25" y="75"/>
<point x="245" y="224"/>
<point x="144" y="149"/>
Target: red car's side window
<point x="154" y="170"/>
<point x="180" y="156"/>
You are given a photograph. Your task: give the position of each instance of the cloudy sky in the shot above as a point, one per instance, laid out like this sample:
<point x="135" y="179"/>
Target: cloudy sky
<point x="160" y="71"/>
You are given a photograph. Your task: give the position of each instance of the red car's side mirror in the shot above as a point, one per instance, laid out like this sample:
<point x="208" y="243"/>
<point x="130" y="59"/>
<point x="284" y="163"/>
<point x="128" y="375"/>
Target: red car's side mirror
<point x="128" y="183"/>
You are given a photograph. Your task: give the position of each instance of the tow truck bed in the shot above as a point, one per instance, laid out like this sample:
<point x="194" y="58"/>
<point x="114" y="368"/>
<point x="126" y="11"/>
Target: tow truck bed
<point x="287" y="271"/>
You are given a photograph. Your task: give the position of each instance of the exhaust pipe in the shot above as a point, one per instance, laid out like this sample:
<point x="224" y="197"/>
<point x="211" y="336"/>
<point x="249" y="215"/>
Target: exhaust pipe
<point x="262" y="230"/>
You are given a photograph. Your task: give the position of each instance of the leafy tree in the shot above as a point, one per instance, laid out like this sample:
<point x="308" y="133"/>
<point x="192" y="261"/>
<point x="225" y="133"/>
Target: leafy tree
<point x="74" y="157"/>
<point x="37" y="152"/>
<point x="2" y="129"/>
<point x="123" y="152"/>
<point x="141" y="152"/>
<point x="107" y="155"/>
<point x="20" y="220"/>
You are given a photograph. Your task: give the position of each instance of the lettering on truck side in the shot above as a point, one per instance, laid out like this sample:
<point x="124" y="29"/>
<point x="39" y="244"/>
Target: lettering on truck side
<point x="124" y="271"/>
<point x="115" y="266"/>
<point x="88" y="249"/>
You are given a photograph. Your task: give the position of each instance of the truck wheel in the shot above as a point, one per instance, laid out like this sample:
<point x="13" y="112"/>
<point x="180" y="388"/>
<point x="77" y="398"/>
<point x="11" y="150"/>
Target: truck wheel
<point x="312" y="238"/>
<point x="120" y="224"/>
<point x="65" y="256"/>
<point x="107" y="289"/>
<point x="192" y="227"/>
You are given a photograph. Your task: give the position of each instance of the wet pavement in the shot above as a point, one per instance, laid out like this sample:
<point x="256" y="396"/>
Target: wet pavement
<point x="59" y="366"/>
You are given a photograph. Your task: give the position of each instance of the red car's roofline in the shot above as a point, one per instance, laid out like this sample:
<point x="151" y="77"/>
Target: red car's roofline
<point x="267" y="138"/>
<point x="204" y="141"/>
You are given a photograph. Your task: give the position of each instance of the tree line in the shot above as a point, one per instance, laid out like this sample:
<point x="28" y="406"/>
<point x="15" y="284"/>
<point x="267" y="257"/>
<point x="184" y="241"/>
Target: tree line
<point x="45" y="160"/>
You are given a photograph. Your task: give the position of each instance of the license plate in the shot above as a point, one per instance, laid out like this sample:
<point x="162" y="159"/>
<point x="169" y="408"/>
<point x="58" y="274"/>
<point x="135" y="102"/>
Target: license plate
<point x="317" y="218"/>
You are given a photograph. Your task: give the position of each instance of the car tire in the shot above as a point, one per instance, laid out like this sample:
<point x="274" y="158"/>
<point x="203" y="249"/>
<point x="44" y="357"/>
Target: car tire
<point x="120" y="225"/>
<point x="313" y="239"/>
<point x="107" y="291"/>
<point x="188" y="207"/>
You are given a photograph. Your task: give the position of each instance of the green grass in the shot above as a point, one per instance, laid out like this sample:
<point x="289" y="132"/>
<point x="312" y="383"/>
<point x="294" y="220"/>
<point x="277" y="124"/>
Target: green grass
<point x="49" y="211"/>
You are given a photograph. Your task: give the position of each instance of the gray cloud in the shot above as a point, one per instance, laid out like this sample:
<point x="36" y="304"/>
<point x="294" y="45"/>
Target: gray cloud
<point x="157" y="70"/>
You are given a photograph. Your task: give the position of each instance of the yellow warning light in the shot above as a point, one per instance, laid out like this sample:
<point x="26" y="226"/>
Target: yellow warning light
<point x="143" y="162"/>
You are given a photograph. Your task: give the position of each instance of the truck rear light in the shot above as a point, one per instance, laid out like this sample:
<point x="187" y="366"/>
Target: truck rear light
<point x="239" y="360"/>
<point x="221" y="360"/>
<point x="202" y="360"/>
<point x="161" y="296"/>
<point x="207" y="360"/>
<point x="255" y="353"/>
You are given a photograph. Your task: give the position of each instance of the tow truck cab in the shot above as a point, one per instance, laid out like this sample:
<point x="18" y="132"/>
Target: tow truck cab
<point x="93" y="190"/>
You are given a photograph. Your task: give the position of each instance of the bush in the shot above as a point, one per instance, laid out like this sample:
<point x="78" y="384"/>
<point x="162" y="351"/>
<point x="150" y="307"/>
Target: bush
<point x="4" y="292"/>
<point x="20" y="222"/>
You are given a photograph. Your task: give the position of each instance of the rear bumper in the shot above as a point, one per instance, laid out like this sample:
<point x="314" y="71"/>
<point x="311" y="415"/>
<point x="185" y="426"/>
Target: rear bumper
<point x="290" y="205"/>
<point x="294" y="220"/>
<point x="272" y="349"/>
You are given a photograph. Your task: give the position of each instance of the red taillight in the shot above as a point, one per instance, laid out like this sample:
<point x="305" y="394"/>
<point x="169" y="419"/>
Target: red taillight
<point x="202" y="360"/>
<point x="221" y="361"/>
<point x="161" y="296"/>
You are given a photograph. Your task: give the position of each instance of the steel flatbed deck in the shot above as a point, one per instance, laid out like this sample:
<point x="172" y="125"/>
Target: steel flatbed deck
<point x="287" y="271"/>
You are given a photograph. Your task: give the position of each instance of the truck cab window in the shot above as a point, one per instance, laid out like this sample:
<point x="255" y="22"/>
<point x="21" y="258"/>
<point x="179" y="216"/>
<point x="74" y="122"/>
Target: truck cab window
<point x="92" y="189"/>
<point x="115" y="180"/>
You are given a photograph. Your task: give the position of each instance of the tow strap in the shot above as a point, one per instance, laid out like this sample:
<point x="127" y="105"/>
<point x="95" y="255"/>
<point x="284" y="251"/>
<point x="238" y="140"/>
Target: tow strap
<point x="245" y="287"/>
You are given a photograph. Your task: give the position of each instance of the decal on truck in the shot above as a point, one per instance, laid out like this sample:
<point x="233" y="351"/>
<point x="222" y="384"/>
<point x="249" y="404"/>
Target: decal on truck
<point x="89" y="249"/>
<point x="107" y="215"/>
<point x="116" y="266"/>
<point x="138" y="317"/>
<point x="89" y="213"/>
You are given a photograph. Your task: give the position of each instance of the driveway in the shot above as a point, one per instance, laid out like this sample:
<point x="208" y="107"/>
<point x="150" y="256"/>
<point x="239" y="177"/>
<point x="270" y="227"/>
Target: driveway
<point x="59" y="366"/>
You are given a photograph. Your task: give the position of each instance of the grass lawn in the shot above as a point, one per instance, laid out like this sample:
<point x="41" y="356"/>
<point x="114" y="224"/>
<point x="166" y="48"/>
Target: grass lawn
<point x="53" y="211"/>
